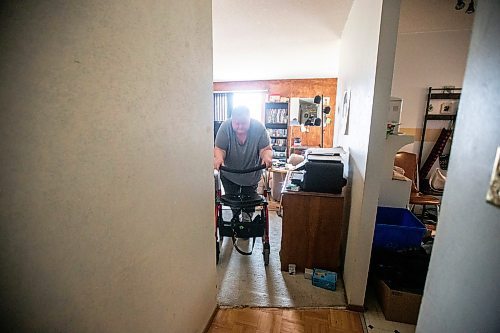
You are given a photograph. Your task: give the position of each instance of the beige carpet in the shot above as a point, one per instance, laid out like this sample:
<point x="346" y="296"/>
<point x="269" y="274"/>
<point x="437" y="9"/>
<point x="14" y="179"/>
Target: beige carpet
<point x="245" y="281"/>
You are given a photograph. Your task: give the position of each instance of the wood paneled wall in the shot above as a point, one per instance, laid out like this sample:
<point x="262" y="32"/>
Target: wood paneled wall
<point x="307" y="88"/>
<point x="288" y="88"/>
<point x="312" y="136"/>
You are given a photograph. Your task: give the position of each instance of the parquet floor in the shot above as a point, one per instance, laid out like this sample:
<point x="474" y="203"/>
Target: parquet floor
<point x="274" y="320"/>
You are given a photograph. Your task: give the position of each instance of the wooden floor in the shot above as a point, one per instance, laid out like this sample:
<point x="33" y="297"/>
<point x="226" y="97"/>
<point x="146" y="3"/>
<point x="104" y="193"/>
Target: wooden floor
<point x="264" y="320"/>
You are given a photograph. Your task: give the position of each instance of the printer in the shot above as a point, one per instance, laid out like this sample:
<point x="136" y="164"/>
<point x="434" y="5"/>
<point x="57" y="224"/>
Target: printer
<point x="323" y="170"/>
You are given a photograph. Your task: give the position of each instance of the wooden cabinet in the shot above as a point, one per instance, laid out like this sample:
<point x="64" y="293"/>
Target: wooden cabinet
<point x="311" y="230"/>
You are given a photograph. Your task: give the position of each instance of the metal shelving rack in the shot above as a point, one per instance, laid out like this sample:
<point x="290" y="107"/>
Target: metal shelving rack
<point x="437" y="94"/>
<point x="276" y="118"/>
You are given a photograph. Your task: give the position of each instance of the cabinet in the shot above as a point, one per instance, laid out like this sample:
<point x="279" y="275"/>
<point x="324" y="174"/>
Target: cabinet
<point x="276" y="122"/>
<point x="442" y="105"/>
<point x="311" y="229"/>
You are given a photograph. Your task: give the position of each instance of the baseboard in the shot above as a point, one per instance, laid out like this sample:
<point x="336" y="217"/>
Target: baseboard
<point x="211" y="320"/>
<point x="356" y="308"/>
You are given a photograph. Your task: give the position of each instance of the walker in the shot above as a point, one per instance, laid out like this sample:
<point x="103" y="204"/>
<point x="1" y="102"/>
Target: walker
<point x="258" y="227"/>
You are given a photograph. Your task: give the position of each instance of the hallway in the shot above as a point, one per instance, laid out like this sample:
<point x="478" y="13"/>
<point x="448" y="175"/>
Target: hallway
<point x="243" y="280"/>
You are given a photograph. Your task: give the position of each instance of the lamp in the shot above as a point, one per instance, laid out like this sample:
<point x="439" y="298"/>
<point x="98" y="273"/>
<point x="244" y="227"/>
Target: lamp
<point x="470" y="9"/>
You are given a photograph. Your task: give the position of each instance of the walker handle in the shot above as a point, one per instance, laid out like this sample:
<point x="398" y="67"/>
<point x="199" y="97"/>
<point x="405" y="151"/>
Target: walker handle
<point x="257" y="168"/>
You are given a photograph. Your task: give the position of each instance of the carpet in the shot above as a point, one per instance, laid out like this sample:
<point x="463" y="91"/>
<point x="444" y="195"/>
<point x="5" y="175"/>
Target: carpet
<point x="245" y="281"/>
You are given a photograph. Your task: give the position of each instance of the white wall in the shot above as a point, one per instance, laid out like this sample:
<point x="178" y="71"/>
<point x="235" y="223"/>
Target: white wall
<point x="366" y="65"/>
<point x="279" y="39"/>
<point x="461" y="291"/>
<point x="106" y="194"/>
<point x="433" y="41"/>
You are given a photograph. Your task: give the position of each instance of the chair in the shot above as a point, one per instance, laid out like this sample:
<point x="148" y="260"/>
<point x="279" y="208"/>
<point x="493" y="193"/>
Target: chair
<point x="408" y="162"/>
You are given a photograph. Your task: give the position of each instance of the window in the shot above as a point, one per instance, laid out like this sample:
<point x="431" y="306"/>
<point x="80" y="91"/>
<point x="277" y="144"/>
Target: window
<point x="254" y="101"/>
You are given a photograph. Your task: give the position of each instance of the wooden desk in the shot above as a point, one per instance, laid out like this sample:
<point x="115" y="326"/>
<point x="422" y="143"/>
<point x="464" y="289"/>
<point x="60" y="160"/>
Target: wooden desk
<point x="312" y="229"/>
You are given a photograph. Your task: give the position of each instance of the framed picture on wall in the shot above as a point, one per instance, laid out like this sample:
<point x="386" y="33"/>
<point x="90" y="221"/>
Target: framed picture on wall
<point x="346" y="106"/>
<point x="448" y="108"/>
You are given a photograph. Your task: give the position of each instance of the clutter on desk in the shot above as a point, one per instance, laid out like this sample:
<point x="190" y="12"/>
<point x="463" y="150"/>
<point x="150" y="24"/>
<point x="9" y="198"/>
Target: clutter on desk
<point x="295" y="159"/>
<point x="293" y="187"/>
<point x="336" y="151"/>
<point x="296" y="177"/>
<point x="296" y="180"/>
<point x="279" y="164"/>
<point x="324" y="170"/>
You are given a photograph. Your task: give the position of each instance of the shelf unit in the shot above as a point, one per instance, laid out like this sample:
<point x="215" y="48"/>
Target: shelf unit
<point x="276" y="122"/>
<point x="434" y="94"/>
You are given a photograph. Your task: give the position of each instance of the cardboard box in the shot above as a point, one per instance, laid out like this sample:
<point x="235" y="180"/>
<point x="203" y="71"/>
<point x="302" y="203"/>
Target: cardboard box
<point x="397" y="305"/>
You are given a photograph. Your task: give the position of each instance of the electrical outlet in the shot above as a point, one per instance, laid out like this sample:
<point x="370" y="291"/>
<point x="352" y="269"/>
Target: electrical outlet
<point x="493" y="195"/>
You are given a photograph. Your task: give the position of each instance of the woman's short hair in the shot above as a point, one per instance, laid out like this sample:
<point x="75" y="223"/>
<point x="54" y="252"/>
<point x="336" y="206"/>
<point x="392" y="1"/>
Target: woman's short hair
<point x="240" y="112"/>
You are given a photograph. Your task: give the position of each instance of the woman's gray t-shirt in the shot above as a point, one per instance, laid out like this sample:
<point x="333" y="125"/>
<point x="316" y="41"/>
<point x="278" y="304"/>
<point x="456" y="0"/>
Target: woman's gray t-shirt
<point x="242" y="156"/>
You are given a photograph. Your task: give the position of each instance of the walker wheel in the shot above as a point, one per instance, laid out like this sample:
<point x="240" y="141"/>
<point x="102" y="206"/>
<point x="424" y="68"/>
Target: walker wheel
<point x="217" y="252"/>
<point x="266" y="252"/>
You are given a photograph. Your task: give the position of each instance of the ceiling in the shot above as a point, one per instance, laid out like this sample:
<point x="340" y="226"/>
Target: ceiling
<point x="277" y="39"/>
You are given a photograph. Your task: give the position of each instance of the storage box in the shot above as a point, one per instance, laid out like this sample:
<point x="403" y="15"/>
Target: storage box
<point x="324" y="279"/>
<point x="308" y="273"/>
<point x="397" y="305"/>
<point x="397" y="228"/>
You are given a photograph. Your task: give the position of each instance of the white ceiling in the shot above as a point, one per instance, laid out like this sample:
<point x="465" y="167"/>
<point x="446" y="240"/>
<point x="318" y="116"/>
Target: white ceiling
<point x="277" y="39"/>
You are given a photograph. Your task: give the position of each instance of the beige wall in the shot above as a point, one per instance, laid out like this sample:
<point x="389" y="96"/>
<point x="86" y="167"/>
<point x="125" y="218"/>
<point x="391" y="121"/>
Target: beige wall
<point x="106" y="193"/>
<point x="366" y="68"/>
<point x="433" y="42"/>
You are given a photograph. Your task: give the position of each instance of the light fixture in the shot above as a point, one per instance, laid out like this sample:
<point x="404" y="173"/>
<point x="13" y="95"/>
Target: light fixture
<point x="470" y="9"/>
<point x="460" y="4"/>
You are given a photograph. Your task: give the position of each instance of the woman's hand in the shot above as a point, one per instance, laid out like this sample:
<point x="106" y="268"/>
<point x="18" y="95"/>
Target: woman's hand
<point x="266" y="156"/>
<point x="218" y="157"/>
<point x="218" y="161"/>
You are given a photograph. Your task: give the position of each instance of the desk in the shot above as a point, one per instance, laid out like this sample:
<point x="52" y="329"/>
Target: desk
<point x="312" y="229"/>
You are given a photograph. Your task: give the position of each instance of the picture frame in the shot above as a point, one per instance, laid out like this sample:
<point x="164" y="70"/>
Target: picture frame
<point x="448" y="108"/>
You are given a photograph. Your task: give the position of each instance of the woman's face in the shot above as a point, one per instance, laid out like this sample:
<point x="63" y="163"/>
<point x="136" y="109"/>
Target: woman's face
<point x="241" y="124"/>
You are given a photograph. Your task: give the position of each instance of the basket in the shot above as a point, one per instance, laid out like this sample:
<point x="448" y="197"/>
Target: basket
<point x="397" y="229"/>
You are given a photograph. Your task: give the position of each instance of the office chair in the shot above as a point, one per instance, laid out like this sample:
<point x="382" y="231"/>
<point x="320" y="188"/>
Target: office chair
<point x="408" y="162"/>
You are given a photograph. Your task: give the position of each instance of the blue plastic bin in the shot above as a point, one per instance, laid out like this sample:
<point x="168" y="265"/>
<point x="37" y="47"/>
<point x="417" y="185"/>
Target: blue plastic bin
<point x="397" y="229"/>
